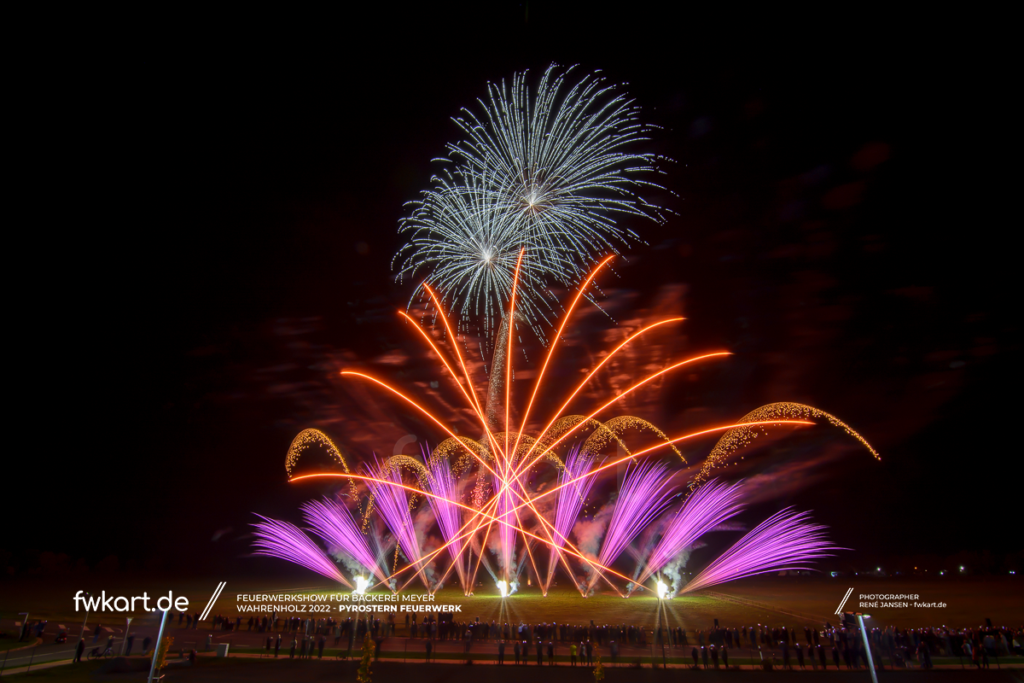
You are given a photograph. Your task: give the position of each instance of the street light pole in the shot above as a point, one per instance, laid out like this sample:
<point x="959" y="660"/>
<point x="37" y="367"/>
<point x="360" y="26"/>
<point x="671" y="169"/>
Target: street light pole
<point x="867" y="647"/>
<point x="124" y="645"/>
<point x="156" y="650"/>
<point x="81" y="636"/>
<point x="24" y="626"/>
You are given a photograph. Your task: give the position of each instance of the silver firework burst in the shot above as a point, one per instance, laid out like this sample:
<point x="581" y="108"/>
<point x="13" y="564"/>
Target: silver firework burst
<point x="550" y="172"/>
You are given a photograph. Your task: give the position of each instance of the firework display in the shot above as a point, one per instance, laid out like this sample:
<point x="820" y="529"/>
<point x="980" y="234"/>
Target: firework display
<point x="495" y="501"/>
<point x="530" y="198"/>
<point x="549" y="171"/>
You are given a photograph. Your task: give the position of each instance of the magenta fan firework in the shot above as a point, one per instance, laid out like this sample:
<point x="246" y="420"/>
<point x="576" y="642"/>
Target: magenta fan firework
<point x="447" y="514"/>
<point x="332" y="521"/>
<point x="782" y="542"/>
<point x="570" y="501"/>
<point x="705" y="509"/>
<point x="392" y="503"/>
<point x="644" y="494"/>
<point x="288" y="542"/>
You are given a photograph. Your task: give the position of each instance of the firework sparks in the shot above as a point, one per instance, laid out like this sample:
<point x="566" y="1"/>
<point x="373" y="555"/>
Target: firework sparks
<point x="286" y="541"/>
<point x="548" y="171"/>
<point x="448" y="515"/>
<point x="505" y="462"/>
<point x="705" y="509"/>
<point x="782" y="542"/>
<point x="571" y="499"/>
<point x="332" y="521"/>
<point x="644" y="494"/>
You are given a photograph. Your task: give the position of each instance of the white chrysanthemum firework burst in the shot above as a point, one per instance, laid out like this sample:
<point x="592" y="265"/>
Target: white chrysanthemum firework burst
<point x="553" y="171"/>
<point x="467" y="244"/>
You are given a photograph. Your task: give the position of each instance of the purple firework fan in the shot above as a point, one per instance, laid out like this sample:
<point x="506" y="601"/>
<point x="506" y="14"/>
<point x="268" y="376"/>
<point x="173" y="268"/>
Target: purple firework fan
<point x="570" y="501"/>
<point x="332" y="521"/>
<point x="645" y="493"/>
<point x="705" y="509"/>
<point x="288" y="542"/>
<point x="447" y="514"/>
<point x="392" y="503"/>
<point x="783" y="541"/>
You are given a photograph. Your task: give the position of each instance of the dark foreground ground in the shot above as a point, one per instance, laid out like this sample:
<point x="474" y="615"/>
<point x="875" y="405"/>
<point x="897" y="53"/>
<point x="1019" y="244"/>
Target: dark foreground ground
<point x="250" y="671"/>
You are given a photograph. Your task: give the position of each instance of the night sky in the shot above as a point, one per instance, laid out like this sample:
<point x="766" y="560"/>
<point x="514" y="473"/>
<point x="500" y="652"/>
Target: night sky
<point x="211" y="208"/>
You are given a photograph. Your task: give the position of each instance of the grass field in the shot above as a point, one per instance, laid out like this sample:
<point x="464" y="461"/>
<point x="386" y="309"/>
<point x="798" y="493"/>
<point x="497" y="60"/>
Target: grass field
<point x="767" y="600"/>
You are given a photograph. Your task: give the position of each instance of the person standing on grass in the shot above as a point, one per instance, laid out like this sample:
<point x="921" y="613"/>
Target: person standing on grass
<point x="572" y="655"/>
<point x="551" y="653"/>
<point x="78" y="652"/>
<point x="515" y="651"/>
<point x="277" y="645"/>
<point x="430" y="648"/>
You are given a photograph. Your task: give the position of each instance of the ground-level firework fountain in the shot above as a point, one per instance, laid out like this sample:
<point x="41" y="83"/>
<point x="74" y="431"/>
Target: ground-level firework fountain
<point x="525" y="504"/>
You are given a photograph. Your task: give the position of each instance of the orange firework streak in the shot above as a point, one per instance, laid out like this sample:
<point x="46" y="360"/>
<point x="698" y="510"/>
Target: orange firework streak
<point x="477" y="513"/>
<point x="474" y="403"/>
<point x="465" y="371"/>
<point x="507" y="460"/>
<point x="509" y="473"/>
<point x="551" y="351"/>
<point x="623" y="394"/>
<point x="586" y="379"/>
<point x="493" y="502"/>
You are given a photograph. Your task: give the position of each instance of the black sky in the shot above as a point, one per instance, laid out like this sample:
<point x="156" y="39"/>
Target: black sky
<point x="191" y="190"/>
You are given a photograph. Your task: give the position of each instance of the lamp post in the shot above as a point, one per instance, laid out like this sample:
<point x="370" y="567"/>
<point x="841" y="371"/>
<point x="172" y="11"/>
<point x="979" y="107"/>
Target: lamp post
<point x="81" y="636"/>
<point x="156" y="650"/>
<point x="867" y="645"/>
<point x="124" y="645"/>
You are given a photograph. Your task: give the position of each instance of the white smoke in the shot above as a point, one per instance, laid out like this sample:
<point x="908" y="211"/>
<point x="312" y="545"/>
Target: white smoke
<point x="674" y="571"/>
